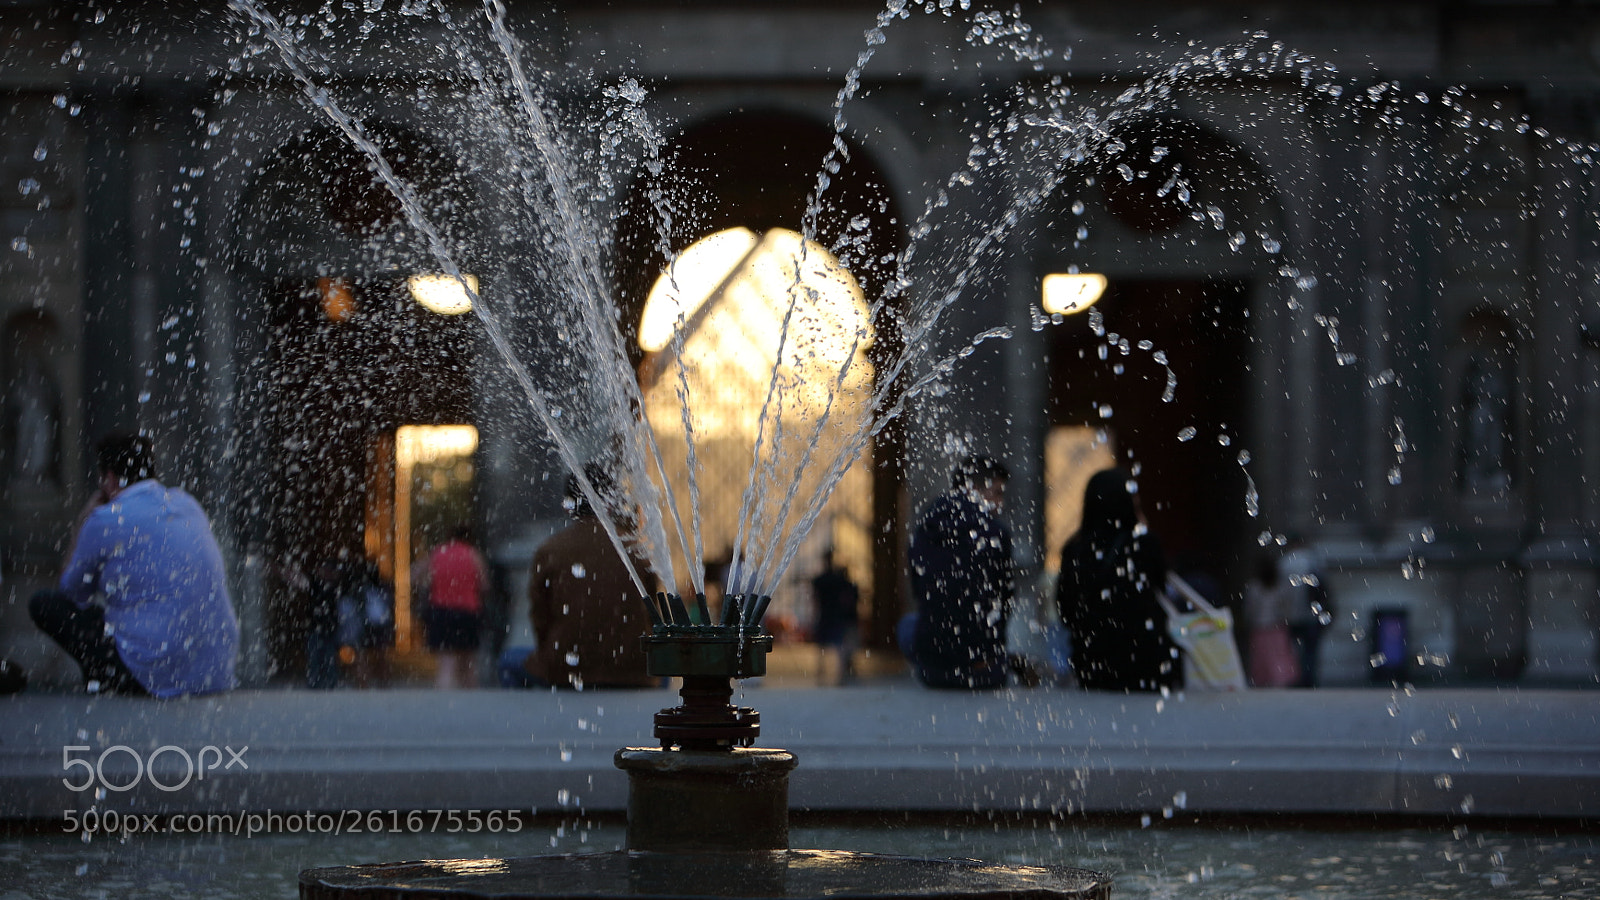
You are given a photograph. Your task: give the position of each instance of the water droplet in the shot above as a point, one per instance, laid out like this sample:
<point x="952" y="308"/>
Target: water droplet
<point x="1187" y="433"/>
<point x="1077" y="207"/>
<point x="578" y="571"/>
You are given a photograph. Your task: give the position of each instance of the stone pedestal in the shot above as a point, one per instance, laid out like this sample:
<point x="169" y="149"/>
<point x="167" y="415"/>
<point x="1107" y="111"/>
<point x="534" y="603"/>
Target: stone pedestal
<point x="707" y="800"/>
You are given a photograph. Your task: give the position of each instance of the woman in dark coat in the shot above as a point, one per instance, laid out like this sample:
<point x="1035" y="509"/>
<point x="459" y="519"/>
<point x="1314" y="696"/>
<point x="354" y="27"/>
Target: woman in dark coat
<point x="1110" y="573"/>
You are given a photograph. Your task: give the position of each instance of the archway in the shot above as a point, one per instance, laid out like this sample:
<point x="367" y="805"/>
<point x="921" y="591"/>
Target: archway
<point x="1154" y="377"/>
<point x="752" y="175"/>
<point x="356" y="350"/>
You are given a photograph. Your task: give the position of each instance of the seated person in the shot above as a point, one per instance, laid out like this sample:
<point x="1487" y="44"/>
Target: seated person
<point x="165" y="624"/>
<point x="586" y="613"/>
<point x="963" y="581"/>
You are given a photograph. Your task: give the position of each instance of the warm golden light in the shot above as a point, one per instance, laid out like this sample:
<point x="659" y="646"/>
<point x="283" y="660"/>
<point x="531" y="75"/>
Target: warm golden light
<point x="338" y="298"/>
<point x="1067" y="294"/>
<point x="430" y="443"/>
<point x="731" y="293"/>
<point x="417" y="445"/>
<point x="444" y="294"/>
<point x="689" y="282"/>
<point x="760" y="340"/>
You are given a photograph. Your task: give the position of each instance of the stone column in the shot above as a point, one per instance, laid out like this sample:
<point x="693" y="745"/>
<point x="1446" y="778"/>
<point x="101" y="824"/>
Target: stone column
<point x="1561" y="578"/>
<point x="109" y="375"/>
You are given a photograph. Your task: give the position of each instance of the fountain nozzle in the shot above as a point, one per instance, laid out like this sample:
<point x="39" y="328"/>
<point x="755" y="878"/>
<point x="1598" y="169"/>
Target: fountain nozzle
<point x="707" y="657"/>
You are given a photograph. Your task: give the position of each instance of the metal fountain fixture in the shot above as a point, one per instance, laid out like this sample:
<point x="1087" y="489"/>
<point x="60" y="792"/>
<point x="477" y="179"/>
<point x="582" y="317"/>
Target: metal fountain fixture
<point x="684" y="643"/>
<point x="706" y="785"/>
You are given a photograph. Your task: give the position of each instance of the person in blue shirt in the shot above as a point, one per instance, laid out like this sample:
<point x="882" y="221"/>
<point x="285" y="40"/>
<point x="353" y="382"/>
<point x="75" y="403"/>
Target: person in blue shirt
<point x="164" y="624"/>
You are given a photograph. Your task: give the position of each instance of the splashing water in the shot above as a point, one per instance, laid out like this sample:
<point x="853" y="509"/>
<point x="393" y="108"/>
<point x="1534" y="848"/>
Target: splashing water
<point x="805" y="439"/>
<point x="556" y="170"/>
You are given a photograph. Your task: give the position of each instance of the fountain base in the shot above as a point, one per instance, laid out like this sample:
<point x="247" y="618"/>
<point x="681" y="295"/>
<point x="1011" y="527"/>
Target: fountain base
<point x="757" y="875"/>
<point x="695" y="800"/>
<point x="708" y="819"/>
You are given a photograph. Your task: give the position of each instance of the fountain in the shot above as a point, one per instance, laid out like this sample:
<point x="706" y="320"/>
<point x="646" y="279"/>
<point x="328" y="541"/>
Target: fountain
<point x="707" y="742"/>
<point x="683" y="794"/>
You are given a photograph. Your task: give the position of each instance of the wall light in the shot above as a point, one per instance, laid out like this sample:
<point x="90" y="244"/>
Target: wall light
<point x="338" y="298"/>
<point x="1068" y="294"/>
<point x="443" y="294"/>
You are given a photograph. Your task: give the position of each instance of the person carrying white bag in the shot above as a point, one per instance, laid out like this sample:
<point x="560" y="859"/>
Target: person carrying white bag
<point x="1206" y="636"/>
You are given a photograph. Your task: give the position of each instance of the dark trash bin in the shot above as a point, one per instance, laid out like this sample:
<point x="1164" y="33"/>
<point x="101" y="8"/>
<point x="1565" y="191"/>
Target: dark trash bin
<point x="1391" y="645"/>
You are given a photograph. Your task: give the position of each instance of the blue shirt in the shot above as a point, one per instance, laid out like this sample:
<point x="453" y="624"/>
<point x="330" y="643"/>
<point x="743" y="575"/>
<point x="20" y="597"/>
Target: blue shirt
<point x="151" y="555"/>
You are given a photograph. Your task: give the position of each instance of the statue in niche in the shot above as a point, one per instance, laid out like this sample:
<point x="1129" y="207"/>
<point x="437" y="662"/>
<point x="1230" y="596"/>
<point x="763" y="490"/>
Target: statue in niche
<point x="33" y="427"/>
<point x="1483" y="464"/>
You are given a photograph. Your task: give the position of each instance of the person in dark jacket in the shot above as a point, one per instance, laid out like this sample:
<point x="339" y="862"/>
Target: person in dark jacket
<point x="1111" y="570"/>
<point x="583" y="604"/>
<point x="836" y="626"/>
<point x="962" y="579"/>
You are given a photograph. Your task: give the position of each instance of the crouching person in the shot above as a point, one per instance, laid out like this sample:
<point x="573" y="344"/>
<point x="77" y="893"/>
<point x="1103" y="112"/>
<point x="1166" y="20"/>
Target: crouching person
<point x="142" y="604"/>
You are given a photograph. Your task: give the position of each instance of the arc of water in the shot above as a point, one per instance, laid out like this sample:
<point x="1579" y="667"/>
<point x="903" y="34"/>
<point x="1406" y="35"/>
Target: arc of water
<point x="417" y="216"/>
<point x="737" y="575"/>
<point x="567" y="210"/>
<point x="679" y="336"/>
<point x="871" y="425"/>
<point x="785" y="545"/>
<point x="928" y="313"/>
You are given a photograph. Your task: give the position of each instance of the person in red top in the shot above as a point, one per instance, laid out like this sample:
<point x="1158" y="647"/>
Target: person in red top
<point x="455" y="577"/>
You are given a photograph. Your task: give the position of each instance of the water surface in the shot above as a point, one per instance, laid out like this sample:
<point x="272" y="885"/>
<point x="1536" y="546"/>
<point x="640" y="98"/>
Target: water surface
<point x="1240" y="858"/>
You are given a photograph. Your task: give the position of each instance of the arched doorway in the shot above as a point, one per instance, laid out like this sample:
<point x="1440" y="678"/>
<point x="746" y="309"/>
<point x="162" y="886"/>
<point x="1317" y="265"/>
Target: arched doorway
<point x="358" y="400"/>
<point x="751" y="176"/>
<point x="1154" y="376"/>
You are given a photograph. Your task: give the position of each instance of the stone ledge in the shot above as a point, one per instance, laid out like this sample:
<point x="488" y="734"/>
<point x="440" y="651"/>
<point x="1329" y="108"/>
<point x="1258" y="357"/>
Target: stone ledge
<point x="1435" y="752"/>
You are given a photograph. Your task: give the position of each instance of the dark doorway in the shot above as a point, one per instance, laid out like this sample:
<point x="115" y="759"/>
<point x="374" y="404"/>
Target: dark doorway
<point x="348" y="361"/>
<point x="1186" y="450"/>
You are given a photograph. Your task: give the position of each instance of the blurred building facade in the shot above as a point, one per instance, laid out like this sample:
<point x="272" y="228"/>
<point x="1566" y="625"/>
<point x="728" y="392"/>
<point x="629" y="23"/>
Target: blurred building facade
<point x="1378" y="328"/>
